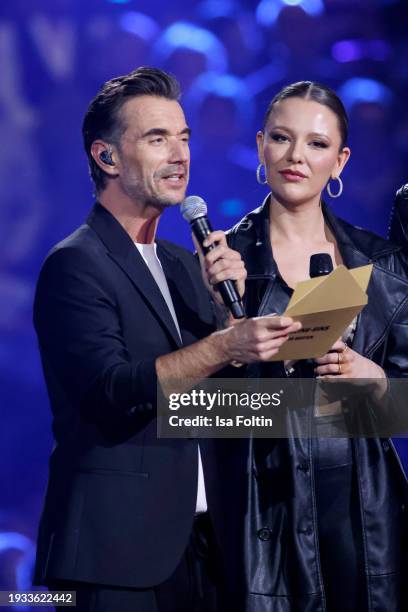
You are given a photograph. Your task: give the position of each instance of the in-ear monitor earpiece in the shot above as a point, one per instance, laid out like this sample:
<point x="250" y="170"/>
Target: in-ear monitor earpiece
<point x="106" y="157"/>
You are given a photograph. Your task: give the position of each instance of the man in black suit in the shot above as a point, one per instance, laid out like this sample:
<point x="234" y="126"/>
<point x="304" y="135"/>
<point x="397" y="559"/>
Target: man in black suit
<point x="116" y="313"/>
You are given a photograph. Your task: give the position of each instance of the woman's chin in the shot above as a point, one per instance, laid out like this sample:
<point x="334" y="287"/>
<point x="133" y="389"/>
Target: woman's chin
<point x="292" y="198"/>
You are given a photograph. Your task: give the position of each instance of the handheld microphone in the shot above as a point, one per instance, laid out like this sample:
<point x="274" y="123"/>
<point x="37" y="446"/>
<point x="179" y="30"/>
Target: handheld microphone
<point x="321" y="264"/>
<point x="194" y="210"/>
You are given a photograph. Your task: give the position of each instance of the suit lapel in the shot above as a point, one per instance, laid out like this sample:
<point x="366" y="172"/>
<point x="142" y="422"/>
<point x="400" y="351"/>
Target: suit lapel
<point x="140" y="275"/>
<point x="122" y="250"/>
<point x="180" y="286"/>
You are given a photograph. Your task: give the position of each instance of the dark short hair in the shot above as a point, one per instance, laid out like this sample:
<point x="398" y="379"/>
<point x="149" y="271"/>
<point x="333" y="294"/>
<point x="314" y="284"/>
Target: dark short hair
<point x="308" y="90"/>
<point x="103" y="118"/>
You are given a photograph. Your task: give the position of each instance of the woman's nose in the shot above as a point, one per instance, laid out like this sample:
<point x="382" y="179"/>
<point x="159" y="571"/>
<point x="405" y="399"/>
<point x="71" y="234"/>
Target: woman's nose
<point x="296" y="152"/>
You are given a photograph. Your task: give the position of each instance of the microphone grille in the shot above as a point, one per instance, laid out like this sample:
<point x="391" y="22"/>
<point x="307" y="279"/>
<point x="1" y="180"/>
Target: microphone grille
<point x="193" y="207"/>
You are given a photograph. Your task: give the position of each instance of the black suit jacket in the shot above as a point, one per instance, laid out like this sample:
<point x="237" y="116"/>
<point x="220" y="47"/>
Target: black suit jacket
<point x="120" y="502"/>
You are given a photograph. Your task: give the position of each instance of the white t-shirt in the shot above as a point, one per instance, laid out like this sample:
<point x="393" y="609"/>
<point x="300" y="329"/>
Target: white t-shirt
<point x="149" y="254"/>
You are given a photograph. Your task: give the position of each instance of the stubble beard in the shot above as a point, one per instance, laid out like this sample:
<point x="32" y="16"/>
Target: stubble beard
<point x="149" y="195"/>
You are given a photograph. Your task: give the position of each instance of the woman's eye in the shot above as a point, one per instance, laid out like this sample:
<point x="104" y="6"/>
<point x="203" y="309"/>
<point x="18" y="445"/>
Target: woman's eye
<point x="279" y="137"/>
<point x="319" y="144"/>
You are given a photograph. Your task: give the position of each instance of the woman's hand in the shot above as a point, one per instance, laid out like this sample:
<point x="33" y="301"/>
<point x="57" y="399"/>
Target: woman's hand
<point x="342" y="362"/>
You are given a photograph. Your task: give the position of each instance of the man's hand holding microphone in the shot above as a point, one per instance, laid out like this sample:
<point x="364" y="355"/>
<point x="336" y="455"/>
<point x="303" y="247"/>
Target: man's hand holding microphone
<point x="243" y="340"/>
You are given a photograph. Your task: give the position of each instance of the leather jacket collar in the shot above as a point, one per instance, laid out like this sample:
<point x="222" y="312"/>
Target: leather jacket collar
<point x="388" y="288"/>
<point x="357" y="247"/>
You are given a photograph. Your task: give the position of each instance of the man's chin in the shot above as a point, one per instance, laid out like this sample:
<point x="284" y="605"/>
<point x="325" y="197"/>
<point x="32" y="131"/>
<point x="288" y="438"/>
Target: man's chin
<point x="169" y="200"/>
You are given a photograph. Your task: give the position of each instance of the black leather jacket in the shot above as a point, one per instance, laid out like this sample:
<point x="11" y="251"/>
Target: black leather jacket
<point x="282" y="568"/>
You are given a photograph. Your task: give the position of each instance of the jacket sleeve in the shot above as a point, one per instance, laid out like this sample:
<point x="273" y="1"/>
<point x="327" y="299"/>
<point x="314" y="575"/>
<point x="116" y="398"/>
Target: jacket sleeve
<point x="396" y="357"/>
<point x="393" y="416"/>
<point x="395" y="362"/>
<point x="82" y="347"/>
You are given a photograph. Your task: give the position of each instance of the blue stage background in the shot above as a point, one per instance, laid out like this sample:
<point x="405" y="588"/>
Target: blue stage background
<point x="231" y="56"/>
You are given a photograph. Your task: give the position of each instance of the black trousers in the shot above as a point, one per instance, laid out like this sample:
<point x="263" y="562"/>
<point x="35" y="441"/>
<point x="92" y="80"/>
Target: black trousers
<point x="339" y="525"/>
<point x="194" y="585"/>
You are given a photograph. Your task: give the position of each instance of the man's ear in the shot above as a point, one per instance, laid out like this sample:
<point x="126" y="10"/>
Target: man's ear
<point x="104" y="155"/>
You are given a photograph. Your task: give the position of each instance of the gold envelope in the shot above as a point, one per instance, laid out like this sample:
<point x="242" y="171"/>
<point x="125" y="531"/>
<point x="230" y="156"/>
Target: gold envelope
<point x="325" y="306"/>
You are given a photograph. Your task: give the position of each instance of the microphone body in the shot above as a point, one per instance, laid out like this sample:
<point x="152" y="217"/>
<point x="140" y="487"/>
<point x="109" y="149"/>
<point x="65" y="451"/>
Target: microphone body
<point x="194" y="210"/>
<point x="321" y="264"/>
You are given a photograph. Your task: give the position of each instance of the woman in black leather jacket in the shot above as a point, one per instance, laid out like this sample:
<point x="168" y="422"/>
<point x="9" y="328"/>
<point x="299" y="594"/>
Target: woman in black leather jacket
<point x="325" y="523"/>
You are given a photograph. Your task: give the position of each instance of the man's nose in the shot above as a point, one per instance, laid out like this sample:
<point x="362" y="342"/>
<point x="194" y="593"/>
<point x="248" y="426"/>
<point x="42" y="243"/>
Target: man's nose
<point x="179" y="151"/>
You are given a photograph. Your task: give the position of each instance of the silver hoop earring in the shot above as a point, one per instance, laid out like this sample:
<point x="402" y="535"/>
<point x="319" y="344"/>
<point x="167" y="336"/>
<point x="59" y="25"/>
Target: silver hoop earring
<point x="340" y="191"/>
<point x="259" y="176"/>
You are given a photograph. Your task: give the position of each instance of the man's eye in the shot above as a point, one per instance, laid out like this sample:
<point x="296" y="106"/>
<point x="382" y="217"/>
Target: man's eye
<point x="157" y="140"/>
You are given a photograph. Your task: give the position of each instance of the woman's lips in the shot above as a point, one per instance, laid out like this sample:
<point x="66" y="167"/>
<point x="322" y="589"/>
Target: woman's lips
<point x="293" y="177"/>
